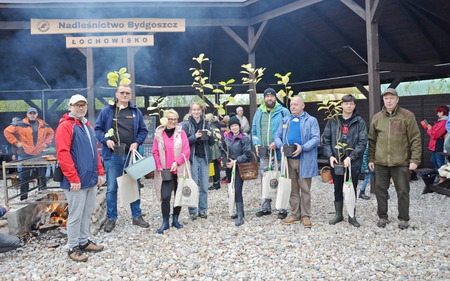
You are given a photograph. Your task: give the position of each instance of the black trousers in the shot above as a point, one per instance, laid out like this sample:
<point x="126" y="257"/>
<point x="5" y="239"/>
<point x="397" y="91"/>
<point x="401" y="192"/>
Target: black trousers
<point x="166" y="193"/>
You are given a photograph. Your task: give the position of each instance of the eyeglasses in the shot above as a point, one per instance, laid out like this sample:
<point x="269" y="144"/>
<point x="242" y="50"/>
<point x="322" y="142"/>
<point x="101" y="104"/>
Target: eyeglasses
<point x="125" y="93"/>
<point x="172" y="119"/>
<point x="80" y="105"/>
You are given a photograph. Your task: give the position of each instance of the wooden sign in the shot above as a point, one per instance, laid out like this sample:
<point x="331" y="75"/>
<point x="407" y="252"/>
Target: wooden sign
<point x="70" y="26"/>
<point x="110" y="41"/>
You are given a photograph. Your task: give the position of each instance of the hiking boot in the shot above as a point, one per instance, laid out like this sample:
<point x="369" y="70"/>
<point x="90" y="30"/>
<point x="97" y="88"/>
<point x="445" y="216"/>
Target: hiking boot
<point x="202" y="215"/>
<point x="306" y="222"/>
<point x="382" y="222"/>
<point x="362" y="195"/>
<point x="263" y="213"/>
<point x="282" y="215"/>
<point x="193" y="216"/>
<point x="91" y="247"/>
<point x="76" y="255"/>
<point x="290" y="220"/>
<point x="109" y="225"/>
<point x="403" y="225"/>
<point x="139" y="221"/>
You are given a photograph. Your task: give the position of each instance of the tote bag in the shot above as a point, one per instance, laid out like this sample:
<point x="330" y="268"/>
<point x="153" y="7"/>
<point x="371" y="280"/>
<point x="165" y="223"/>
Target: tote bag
<point x="270" y="180"/>
<point x="349" y="193"/>
<point x="231" y="191"/>
<point x="128" y="190"/>
<point x="140" y="166"/>
<point x="284" y="186"/>
<point x="187" y="189"/>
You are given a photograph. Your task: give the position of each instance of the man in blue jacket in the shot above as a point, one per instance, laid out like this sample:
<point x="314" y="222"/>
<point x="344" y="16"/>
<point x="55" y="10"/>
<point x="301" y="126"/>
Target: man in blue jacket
<point x="265" y="124"/>
<point x="303" y="130"/>
<point x="129" y="128"/>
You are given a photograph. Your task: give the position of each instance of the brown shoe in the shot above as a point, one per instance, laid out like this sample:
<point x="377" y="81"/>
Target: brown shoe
<point x="91" y="247"/>
<point x="290" y="220"/>
<point x="76" y="255"/>
<point x="306" y="222"/>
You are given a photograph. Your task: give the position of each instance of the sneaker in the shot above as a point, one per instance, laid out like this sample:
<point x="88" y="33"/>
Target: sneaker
<point x="306" y="222"/>
<point x="91" y="247"/>
<point x="282" y="215"/>
<point x="76" y="255"/>
<point x="139" y="221"/>
<point x="403" y="225"/>
<point x="290" y="220"/>
<point x="202" y="215"/>
<point x="363" y="196"/>
<point x="382" y="222"/>
<point x="263" y="213"/>
<point x="109" y="225"/>
<point x="193" y="216"/>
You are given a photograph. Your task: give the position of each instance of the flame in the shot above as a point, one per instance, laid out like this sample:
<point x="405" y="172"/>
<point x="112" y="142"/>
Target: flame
<point x="57" y="213"/>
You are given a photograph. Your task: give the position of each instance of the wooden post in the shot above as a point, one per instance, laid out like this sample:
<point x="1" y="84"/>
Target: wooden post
<point x="90" y="85"/>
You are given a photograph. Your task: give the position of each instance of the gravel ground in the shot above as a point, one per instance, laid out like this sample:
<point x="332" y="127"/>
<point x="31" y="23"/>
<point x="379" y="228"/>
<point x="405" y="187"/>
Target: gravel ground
<point x="261" y="249"/>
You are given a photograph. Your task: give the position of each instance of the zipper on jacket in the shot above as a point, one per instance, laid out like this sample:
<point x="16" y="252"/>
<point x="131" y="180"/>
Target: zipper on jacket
<point x="389" y="141"/>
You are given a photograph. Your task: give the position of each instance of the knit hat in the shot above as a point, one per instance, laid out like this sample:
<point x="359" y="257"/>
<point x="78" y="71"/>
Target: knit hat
<point x="233" y="120"/>
<point x="270" y="91"/>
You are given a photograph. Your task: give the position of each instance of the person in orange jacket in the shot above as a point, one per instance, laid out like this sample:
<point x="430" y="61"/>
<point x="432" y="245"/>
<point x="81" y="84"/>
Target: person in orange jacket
<point x="30" y="135"/>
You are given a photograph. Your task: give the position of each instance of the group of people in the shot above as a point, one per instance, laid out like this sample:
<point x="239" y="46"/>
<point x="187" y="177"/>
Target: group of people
<point x="392" y="147"/>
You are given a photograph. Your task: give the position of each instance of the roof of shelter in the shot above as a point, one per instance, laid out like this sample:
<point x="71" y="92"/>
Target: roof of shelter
<point x="322" y="42"/>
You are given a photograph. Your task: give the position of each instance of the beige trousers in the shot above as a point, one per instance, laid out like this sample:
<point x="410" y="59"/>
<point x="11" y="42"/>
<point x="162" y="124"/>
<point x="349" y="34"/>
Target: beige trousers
<point x="300" y="199"/>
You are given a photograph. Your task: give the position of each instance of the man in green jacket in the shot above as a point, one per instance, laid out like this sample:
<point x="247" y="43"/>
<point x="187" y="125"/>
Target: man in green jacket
<point x="394" y="149"/>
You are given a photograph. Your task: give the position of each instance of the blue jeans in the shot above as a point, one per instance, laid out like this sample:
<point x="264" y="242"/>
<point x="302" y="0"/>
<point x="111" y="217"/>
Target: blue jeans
<point x="437" y="160"/>
<point x="200" y="174"/>
<point x="367" y="177"/>
<point x="8" y="243"/>
<point x="114" y="168"/>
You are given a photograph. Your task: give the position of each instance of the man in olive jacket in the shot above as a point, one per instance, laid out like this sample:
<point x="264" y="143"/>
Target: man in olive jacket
<point x="394" y="149"/>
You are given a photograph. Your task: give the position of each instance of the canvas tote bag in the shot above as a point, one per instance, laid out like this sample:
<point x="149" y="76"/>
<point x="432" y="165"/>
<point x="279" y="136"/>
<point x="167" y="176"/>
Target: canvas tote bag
<point x="128" y="190"/>
<point x="231" y="191"/>
<point x="187" y="189"/>
<point x="284" y="186"/>
<point x="349" y="193"/>
<point x="270" y="179"/>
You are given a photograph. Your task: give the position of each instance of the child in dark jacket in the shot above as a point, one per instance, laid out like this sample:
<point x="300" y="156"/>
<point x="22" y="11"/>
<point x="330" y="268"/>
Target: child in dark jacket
<point x="367" y="174"/>
<point x="239" y="151"/>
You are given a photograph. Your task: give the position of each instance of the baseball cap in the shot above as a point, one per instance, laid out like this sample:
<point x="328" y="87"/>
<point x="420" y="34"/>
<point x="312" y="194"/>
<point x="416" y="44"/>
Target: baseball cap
<point x="31" y="109"/>
<point x="270" y="91"/>
<point x="390" y="91"/>
<point x="76" y="98"/>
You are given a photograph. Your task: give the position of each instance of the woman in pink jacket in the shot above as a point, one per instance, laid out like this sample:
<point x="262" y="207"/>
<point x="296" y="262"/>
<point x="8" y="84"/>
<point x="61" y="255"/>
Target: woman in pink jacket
<point x="170" y="150"/>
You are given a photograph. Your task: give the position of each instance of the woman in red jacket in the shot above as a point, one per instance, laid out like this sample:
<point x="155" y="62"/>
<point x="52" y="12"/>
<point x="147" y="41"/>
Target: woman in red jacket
<point x="170" y="150"/>
<point x="437" y="134"/>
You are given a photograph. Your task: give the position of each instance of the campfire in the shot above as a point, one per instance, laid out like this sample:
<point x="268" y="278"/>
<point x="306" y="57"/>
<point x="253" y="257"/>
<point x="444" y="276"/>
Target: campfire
<point x="53" y="215"/>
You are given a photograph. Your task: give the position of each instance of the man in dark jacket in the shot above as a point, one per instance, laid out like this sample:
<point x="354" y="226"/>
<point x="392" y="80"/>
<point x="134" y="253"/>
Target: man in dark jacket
<point x="78" y="157"/>
<point x="129" y="128"/>
<point x="394" y="149"/>
<point x="350" y="131"/>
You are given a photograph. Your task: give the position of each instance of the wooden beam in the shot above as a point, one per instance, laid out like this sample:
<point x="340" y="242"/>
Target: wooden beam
<point x="90" y="85"/>
<point x="419" y="68"/>
<point x="361" y="88"/>
<point x="373" y="57"/>
<point x="132" y="71"/>
<point x="236" y="38"/>
<point x="375" y="13"/>
<point x="395" y="83"/>
<point x="288" y="8"/>
<point x="252" y="95"/>
<point x="256" y="39"/>
<point x="352" y="5"/>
